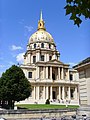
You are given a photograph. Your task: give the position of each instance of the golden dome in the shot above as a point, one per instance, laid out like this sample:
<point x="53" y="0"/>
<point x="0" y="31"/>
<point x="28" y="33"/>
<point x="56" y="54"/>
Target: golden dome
<point x="41" y="35"/>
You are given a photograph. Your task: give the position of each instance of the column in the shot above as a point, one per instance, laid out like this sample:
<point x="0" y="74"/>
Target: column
<point x="51" y="93"/>
<point x="62" y="73"/>
<point x="37" y="56"/>
<point x="28" y="58"/>
<point x="46" y="92"/>
<point x="69" y="94"/>
<point x="59" y="73"/>
<point x="38" y="92"/>
<point x="38" y="72"/>
<point x="45" y="57"/>
<point x="75" y="93"/>
<point x="68" y="74"/>
<point x="59" y="92"/>
<point x="63" y="93"/>
<point x="51" y="73"/>
<point x="46" y="72"/>
<point x="34" y="93"/>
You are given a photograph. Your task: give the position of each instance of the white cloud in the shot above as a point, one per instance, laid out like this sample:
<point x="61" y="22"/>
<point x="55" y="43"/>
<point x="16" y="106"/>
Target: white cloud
<point x="14" y="47"/>
<point x="72" y="64"/>
<point x="28" y="28"/>
<point x="20" y="57"/>
<point x="2" y="66"/>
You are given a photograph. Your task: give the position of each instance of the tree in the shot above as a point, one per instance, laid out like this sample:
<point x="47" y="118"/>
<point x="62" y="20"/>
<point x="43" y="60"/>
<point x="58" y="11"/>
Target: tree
<point x="14" y="86"/>
<point x="78" y="8"/>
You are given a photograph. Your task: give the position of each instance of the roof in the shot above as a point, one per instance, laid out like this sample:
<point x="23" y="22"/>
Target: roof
<point x="83" y="62"/>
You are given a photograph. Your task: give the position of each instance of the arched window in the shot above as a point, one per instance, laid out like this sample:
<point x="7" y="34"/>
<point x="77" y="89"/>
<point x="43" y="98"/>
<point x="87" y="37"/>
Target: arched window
<point x="35" y="45"/>
<point x="42" y="45"/>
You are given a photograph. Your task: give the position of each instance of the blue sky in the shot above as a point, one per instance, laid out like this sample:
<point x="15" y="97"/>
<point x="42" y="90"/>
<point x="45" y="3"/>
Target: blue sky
<point x="19" y="20"/>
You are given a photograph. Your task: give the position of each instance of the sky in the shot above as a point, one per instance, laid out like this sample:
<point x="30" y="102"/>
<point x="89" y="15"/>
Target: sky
<point x="19" y="20"/>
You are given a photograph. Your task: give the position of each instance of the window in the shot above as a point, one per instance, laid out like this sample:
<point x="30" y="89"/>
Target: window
<point x="50" y="57"/>
<point x="42" y="57"/>
<point x="34" y="59"/>
<point x="34" y="45"/>
<point x="29" y="74"/>
<point x="71" y="77"/>
<point x="49" y="46"/>
<point x="42" y="45"/>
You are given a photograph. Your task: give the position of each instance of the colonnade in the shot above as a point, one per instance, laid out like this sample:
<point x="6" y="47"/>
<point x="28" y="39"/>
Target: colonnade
<point x="47" y="92"/>
<point x="48" y="71"/>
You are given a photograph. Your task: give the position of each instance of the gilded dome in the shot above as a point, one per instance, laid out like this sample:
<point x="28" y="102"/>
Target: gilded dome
<point x="41" y="35"/>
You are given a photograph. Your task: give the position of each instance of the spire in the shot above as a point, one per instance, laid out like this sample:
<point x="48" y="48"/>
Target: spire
<point x="41" y="16"/>
<point x="41" y="23"/>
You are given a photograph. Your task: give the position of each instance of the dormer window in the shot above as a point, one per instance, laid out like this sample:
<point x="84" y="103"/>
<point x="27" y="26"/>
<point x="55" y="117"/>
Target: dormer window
<point x="35" y="45"/>
<point x="42" y="45"/>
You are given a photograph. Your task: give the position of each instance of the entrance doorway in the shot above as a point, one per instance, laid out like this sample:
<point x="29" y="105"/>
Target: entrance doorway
<point x="54" y="95"/>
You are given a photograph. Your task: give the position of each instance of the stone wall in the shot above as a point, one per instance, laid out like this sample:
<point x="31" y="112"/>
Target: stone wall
<point x="31" y="114"/>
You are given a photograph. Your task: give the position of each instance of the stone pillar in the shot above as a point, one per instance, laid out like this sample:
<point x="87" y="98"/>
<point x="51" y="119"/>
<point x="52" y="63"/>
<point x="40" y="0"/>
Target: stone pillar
<point x="62" y="73"/>
<point x="68" y="74"/>
<point x="46" y="72"/>
<point x="34" y="93"/>
<point x="69" y="94"/>
<point x="75" y="93"/>
<point x="63" y="92"/>
<point x="59" y="73"/>
<point x="38" y="92"/>
<point x="38" y="72"/>
<point x="46" y="92"/>
<point x="51" y="93"/>
<point x="28" y="58"/>
<point x="37" y="56"/>
<point x="45" y="57"/>
<point x="59" y="92"/>
<point x="51" y="73"/>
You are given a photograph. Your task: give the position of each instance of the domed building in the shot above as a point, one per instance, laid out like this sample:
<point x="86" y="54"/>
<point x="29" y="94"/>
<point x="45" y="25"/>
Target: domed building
<point x="49" y="77"/>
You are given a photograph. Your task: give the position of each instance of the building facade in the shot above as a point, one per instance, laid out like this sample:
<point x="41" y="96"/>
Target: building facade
<point x="83" y="69"/>
<point x="49" y="77"/>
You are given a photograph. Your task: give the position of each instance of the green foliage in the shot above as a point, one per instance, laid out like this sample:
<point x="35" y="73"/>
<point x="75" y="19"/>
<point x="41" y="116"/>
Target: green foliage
<point x="47" y="101"/>
<point x="14" y="86"/>
<point x="78" y="8"/>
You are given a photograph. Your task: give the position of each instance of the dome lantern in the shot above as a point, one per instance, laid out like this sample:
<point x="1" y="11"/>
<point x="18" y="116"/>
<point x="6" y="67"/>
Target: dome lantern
<point x="41" y="23"/>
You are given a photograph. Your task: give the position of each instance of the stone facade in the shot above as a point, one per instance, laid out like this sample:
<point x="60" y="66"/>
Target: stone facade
<point x="84" y="81"/>
<point x="49" y="77"/>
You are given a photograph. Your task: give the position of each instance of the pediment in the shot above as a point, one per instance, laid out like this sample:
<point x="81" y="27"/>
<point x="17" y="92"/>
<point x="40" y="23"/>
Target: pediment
<point x="55" y="62"/>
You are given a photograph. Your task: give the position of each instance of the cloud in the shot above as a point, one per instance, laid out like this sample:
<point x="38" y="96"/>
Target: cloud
<point x="2" y="66"/>
<point x="28" y="28"/>
<point x="14" y="47"/>
<point x="72" y="64"/>
<point x="20" y="57"/>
